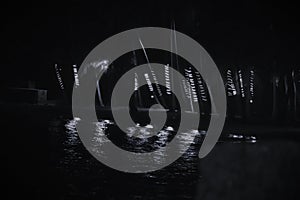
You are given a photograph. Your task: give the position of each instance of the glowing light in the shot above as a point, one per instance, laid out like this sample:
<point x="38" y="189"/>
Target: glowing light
<point x="76" y="79"/>
<point x="231" y="90"/>
<point x="167" y="77"/>
<point x="148" y="82"/>
<point x="58" y="76"/>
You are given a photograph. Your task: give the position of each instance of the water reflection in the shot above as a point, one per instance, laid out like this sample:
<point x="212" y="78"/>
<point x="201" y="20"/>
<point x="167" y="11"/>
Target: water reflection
<point x="72" y="136"/>
<point x="140" y="139"/>
<point x="241" y="138"/>
<point x="144" y="134"/>
<point x="233" y="165"/>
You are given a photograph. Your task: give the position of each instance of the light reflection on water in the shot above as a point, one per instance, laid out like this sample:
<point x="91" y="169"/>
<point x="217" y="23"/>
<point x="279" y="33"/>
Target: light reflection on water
<point x="101" y="131"/>
<point x="71" y="142"/>
<point x="72" y="136"/>
<point x="99" y="138"/>
<point x="236" y="158"/>
<point x="144" y="133"/>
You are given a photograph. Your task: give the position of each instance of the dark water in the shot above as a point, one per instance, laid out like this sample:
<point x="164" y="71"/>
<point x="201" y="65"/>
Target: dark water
<point x="43" y="158"/>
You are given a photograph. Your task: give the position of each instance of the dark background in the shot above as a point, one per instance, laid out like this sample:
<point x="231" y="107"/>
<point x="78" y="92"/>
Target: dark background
<point x="35" y="35"/>
<point x="40" y="154"/>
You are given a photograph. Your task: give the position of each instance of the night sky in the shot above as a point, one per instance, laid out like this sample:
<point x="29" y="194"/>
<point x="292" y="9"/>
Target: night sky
<point x="37" y="35"/>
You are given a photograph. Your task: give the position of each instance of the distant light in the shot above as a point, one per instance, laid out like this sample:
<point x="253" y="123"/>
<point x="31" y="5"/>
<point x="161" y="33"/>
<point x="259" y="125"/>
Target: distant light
<point x="77" y="119"/>
<point x="169" y="128"/>
<point x="149" y="126"/>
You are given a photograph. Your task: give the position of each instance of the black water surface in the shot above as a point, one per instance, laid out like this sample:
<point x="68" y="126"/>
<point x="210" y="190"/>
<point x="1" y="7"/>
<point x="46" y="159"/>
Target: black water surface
<point x="43" y="158"/>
